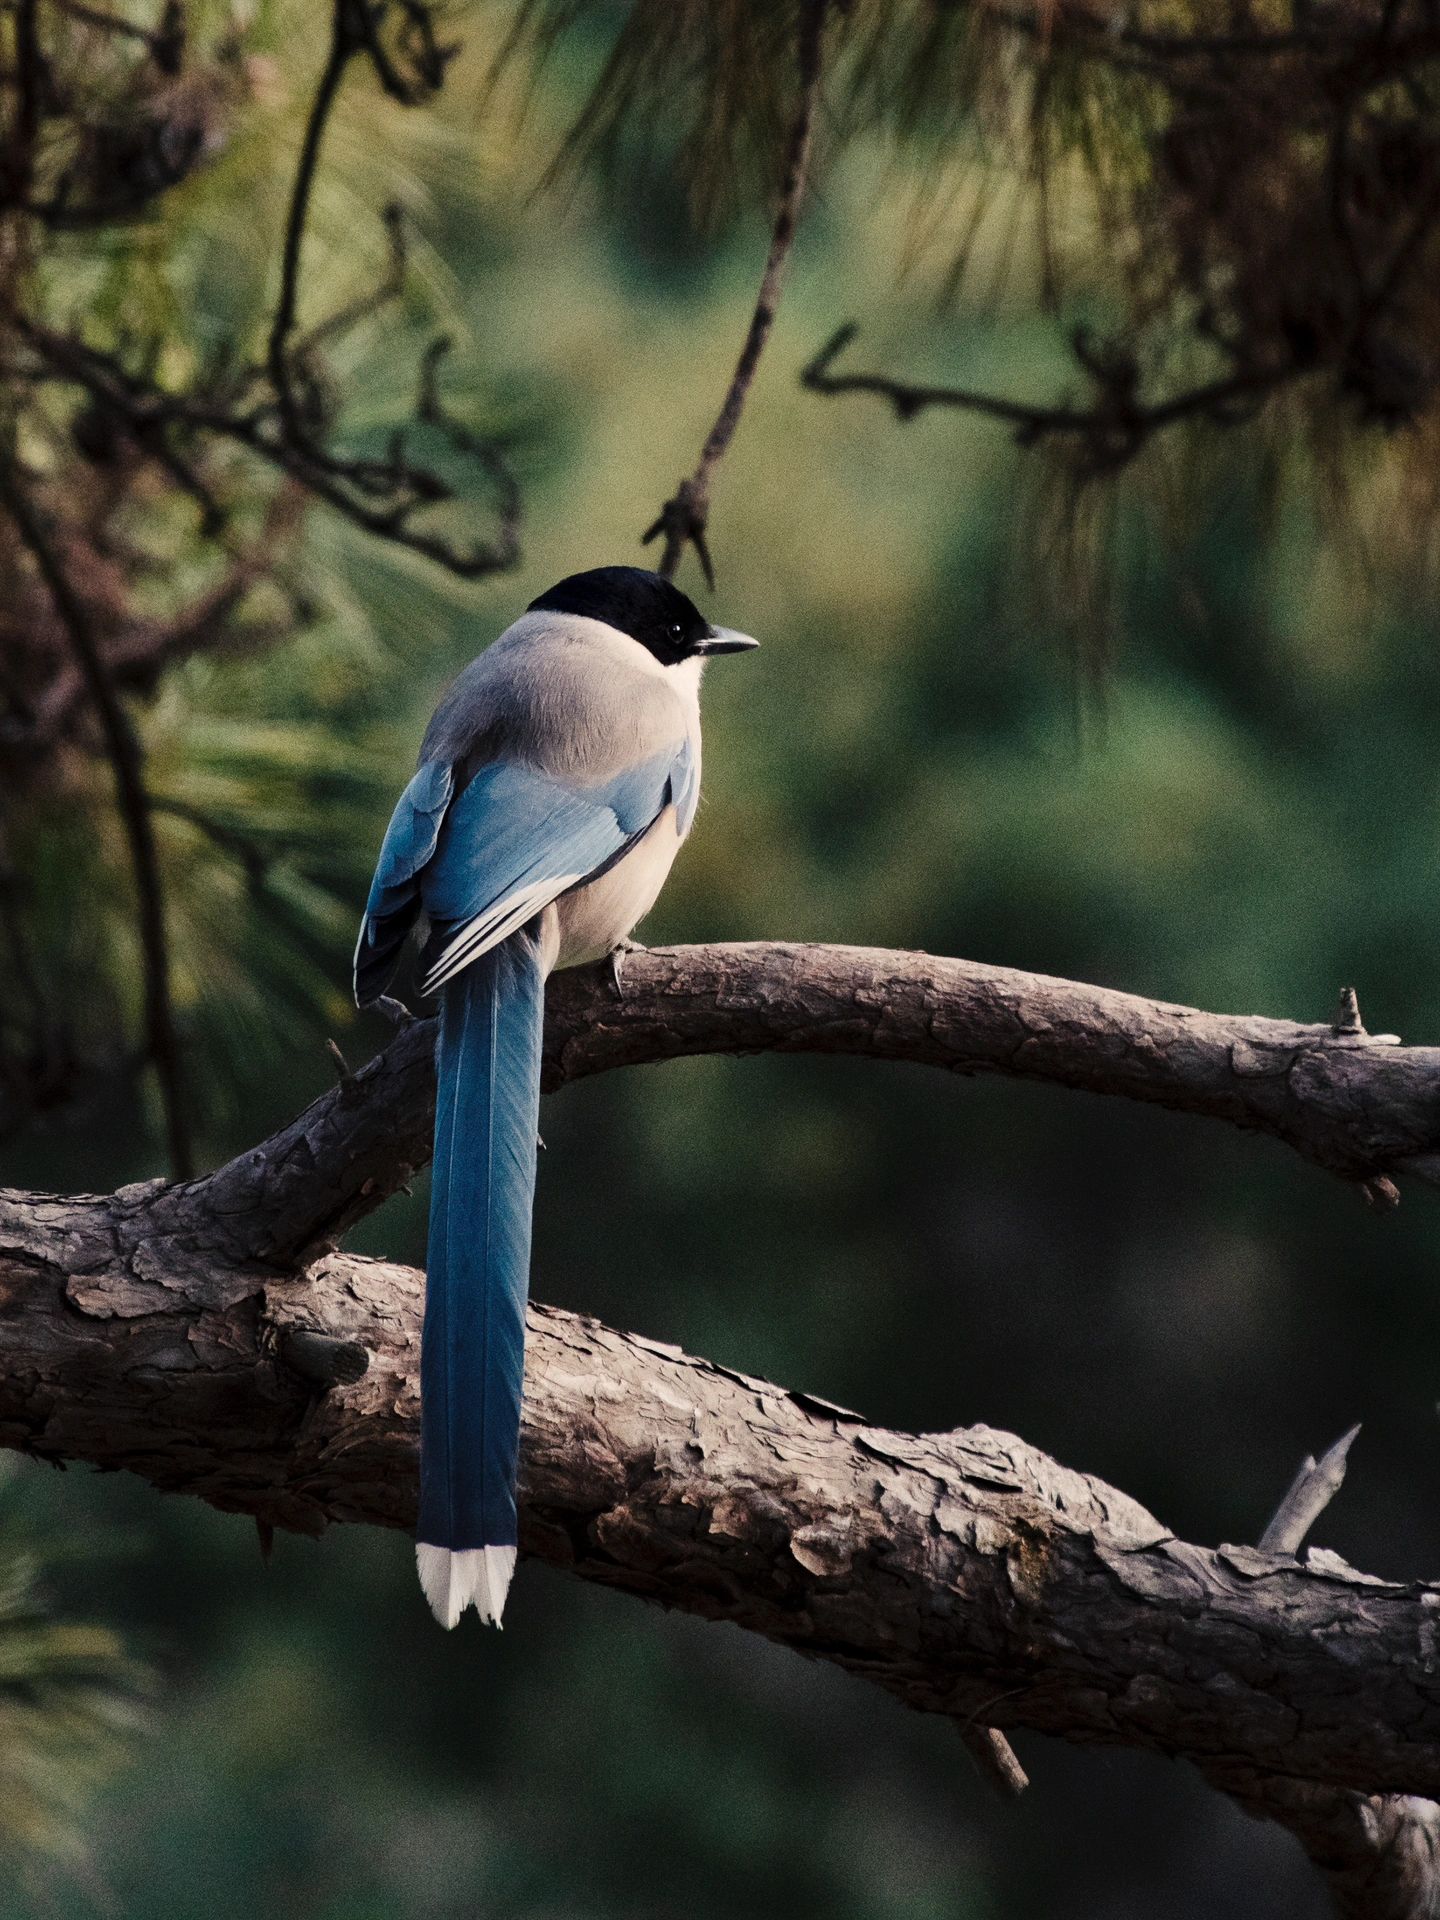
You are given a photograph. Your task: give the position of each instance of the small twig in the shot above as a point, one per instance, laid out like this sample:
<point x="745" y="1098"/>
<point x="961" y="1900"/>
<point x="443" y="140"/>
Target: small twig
<point x="431" y="410"/>
<point x="685" y="516"/>
<point x="346" y="1072"/>
<point x="1347" y="1013"/>
<point x="909" y="398"/>
<point x="380" y="497"/>
<point x="1114" y="430"/>
<point x="344" y="45"/>
<point x="418" y="42"/>
<point x="1311" y="1491"/>
<point x="995" y="1757"/>
<point x="133" y="804"/>
<point x="366" y="305"/>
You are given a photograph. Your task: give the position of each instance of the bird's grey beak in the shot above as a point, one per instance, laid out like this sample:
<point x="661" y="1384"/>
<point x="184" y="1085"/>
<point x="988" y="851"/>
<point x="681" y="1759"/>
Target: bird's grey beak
<point x="725" y="640"/>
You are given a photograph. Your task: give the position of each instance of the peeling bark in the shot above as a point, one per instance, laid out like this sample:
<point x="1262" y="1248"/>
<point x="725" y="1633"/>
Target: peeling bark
<point x="965" y="1573"/>
<point x="209" y="1337"/>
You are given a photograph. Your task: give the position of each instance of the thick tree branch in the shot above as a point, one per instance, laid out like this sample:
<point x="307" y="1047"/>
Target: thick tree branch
<point x="964" y="1572"/>
<point x="205" y="1336"/>
<point x="1364" y="1108"/>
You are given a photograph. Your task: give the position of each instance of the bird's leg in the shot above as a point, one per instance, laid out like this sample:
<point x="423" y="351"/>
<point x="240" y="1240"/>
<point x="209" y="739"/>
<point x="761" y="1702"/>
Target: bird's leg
<point x="618" y="955"/>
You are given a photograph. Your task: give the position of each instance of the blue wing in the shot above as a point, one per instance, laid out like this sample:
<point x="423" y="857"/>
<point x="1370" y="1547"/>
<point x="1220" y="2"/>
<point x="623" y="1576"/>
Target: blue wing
<point x="516" y="839"/>
<point x="394" y="902"/>
<point x="485" y="862"/>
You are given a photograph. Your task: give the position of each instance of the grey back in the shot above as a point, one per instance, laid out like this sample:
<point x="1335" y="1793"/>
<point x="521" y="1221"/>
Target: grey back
<point x="563" y="693"/>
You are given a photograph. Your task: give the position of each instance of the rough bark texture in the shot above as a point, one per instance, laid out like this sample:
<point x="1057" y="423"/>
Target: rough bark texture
<point x="965" y="1573"/>
<point x="1379" y="1853"/>
<point x="1364" y="1108"/>
<point x="1359" y="1106"/>
<point x="209" y="1337"/>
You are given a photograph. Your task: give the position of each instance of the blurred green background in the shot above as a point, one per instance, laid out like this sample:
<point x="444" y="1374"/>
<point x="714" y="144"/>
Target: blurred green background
<point x="1243" y="816"/>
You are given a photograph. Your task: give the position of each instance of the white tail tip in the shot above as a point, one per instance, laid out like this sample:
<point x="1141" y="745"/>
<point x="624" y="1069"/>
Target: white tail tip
<point x="476" y="1577"/>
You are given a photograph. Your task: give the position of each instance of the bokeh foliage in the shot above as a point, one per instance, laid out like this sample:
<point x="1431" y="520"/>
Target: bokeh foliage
<point x="1246" y="821"/>
<point x="70" y="1700"/>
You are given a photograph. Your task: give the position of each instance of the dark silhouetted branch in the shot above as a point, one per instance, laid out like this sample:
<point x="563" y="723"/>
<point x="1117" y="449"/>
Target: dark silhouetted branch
<point x="161" y="1043"/>
<point x="19" y="163"/>
<point x="345" y="42"/>
<point x="379" y="496"/>
<point x="284" y="412"/>
<point x="685" y="516"/>
<point x="1109" y="434"/>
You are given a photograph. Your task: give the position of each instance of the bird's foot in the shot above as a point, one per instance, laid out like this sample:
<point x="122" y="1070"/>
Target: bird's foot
<point x="619" y="953"/>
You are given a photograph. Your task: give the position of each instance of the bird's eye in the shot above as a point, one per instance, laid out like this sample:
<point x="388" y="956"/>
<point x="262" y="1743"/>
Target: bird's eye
<point x="675" y="630"/>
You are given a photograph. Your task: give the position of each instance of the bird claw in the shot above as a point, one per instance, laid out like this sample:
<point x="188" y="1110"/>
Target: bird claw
<point x="619" y="953"/>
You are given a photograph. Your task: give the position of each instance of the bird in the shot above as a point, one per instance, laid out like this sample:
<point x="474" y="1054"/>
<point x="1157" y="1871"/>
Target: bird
<point x="556" y="781"/>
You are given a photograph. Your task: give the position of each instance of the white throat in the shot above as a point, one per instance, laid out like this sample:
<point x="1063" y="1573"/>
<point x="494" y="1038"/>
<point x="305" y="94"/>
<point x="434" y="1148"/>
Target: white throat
<point x="686" y="681"/>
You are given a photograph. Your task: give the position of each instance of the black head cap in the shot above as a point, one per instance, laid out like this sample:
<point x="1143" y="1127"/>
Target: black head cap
<point x="642" y="604"/>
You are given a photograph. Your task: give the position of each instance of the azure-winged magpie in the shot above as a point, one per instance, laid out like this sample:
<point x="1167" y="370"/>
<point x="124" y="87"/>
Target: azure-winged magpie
<point x="556" y="781"/>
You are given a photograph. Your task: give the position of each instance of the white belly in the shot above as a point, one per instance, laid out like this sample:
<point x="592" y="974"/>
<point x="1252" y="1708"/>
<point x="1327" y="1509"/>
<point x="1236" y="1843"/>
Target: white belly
<point x="592" y="920"/>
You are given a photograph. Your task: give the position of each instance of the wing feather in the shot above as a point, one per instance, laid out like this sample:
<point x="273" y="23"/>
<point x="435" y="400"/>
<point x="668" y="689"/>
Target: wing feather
<point x="517" y="839"/>
<point x="395" y="893"/>
<point x="484" y="861"/>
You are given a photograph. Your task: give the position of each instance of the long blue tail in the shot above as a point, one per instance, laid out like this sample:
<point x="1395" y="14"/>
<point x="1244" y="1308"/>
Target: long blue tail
<point x="473" y="1352"/>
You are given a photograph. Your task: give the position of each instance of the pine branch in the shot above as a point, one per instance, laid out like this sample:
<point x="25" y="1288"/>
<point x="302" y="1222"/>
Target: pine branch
<point x="162" y="1046"/>
<point x="685" y="517"/>
<point x="965" y="1573"/>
